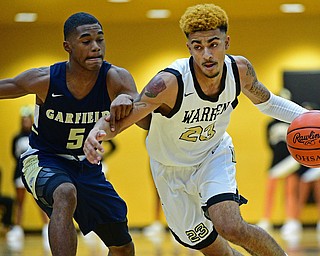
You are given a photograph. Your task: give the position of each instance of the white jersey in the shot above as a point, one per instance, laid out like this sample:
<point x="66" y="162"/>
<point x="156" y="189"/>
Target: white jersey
<point x="197" y="123"/>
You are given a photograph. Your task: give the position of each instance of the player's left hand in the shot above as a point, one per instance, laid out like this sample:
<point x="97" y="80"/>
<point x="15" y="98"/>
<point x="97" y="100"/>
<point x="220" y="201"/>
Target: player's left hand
<point x="120" y="107"/>
<point x="92" y="147"/>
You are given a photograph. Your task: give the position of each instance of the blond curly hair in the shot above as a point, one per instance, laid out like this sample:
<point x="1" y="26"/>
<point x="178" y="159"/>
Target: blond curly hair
<point x="203" y="17"/>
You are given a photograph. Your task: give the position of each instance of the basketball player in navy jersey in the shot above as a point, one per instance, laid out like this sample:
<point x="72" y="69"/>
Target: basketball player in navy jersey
<point x="70" y="97"/>
<point x="191" y="154"/>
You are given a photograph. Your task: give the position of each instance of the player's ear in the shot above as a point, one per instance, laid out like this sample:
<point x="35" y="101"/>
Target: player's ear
<point x="227" y="42"/>
<point x="66" y="46"/>
<point x="189" y="48"/>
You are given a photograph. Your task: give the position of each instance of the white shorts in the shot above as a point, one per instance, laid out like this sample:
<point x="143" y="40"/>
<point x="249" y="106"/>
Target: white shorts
<point x="18" y="182"/>
<point x="187" y="192"/>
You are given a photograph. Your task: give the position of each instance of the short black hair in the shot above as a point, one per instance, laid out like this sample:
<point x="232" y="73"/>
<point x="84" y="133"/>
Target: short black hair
<point x="76" y="20"/>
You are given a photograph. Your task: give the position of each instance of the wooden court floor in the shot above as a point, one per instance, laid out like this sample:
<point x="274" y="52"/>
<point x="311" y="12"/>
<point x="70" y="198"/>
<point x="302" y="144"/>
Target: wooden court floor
<point x="162" y="245"/>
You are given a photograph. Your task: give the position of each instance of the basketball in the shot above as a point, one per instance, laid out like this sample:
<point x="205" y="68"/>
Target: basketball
<point x="303" y="139"/>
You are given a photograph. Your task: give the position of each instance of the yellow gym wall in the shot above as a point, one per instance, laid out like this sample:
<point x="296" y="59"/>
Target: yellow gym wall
<point x="273" y="46"/>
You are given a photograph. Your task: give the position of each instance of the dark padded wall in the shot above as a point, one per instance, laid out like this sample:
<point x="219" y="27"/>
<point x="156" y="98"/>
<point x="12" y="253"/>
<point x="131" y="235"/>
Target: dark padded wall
<point x="303" y="85"/>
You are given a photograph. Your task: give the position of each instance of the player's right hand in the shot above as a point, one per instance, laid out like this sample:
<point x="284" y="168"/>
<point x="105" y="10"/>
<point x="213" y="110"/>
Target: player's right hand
<point x="120" y="107"/>
<point x="92" y="146"/>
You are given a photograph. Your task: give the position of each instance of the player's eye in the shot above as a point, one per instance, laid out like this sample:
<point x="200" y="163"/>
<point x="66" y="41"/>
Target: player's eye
<point x="214" y="44"/>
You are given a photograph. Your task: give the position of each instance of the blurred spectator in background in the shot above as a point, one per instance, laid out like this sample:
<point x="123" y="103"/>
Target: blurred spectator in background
<point x="6" y="209"/>
<point x="20" y="143"/>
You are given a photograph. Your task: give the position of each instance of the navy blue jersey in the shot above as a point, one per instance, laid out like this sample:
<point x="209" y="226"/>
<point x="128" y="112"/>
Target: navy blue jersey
<point x="63" y="122"/>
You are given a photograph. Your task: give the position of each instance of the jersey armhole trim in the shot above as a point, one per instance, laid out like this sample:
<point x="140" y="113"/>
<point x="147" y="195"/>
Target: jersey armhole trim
<point x="237" y="80"/>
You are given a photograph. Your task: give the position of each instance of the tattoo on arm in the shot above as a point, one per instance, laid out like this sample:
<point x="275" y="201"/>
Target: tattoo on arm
<point x="155" y="86"/>
<point x="257" y="89"/>
<point x="251" y="72"/>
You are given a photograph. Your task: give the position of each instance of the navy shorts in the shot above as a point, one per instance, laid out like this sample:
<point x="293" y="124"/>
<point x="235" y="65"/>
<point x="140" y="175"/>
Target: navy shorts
<point x="98" y="204"/>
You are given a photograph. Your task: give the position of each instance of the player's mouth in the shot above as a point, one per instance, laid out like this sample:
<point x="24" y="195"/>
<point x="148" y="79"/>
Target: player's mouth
<point x="209" y="65"/>
<point x="95" y="59"/>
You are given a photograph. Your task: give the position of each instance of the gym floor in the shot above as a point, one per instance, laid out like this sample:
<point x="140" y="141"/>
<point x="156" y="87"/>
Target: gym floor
<point x="160" y="245"/>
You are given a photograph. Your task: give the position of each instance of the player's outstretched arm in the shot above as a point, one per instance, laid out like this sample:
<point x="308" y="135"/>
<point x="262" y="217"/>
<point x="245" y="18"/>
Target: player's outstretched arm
<point x="120" y="107"/>
<point x="102" y="130"/>
<point x="33" y="81"/>
<point x="160" y="92"/>
<point x="162" y="89"/>
<point x="250" y="85"/>
<point x="122" y="91"/>
<point x="10" y="90"/>
<point x="268" y="103"/>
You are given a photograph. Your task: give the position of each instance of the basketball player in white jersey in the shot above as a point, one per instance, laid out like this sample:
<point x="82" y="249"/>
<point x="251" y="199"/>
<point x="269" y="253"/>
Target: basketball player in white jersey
<point x="192" y="155"/>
